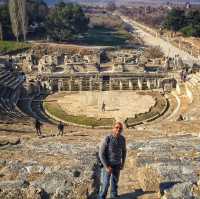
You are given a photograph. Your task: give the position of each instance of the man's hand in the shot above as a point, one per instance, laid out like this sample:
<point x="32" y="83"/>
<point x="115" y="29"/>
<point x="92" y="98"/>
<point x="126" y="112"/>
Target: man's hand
<point x="109" y="169"/>
<point x="122" y="167"/>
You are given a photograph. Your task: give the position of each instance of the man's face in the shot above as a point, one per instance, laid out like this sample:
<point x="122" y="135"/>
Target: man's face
<point x="117" y="129"/>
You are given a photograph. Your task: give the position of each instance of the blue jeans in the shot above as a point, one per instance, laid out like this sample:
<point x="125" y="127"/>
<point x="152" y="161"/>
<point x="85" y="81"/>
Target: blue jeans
<point x="105" y="182"/>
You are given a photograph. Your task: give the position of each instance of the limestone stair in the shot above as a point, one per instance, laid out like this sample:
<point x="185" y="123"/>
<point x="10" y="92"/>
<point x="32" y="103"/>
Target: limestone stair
<point x="180" y="101"/>
<point x="172" y="106"/>
<point x="193" y="85"/>
<point x="129" y="187"/>
<point x="36" y="107"/>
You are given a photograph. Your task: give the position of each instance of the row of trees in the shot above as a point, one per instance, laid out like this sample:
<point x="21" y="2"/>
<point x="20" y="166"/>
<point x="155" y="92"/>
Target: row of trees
<point x="33" y="18"/>
<point x="187" y="22"/>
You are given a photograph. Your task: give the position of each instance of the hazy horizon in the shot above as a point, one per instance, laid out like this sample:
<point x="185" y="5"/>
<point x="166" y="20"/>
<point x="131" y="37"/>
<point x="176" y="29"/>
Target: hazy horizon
<point x="126" y="1"/>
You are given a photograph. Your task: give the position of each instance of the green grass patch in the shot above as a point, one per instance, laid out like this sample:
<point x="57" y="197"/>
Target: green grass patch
<point x="54" y="109"/>
<point x="105" y="37"/>
<point x="12" y="46"/>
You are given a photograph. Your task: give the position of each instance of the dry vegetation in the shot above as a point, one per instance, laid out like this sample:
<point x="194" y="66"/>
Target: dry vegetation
<point x="153" y="52"/>
<point x="106" y="20"/>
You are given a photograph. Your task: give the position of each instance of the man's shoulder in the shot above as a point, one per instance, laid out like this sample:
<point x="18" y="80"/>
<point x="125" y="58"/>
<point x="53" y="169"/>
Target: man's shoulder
<point x="122" y="137"/>
<point x="110" y="136"/>
<point x="107" y="138"/>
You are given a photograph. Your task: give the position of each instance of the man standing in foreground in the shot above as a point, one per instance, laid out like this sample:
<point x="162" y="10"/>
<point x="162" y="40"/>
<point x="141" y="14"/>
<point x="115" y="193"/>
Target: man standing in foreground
<point x="112" y="154"/>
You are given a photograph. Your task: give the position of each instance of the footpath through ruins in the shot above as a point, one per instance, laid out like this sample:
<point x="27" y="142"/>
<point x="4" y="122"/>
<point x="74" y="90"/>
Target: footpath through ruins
<point x="152" y="38"/>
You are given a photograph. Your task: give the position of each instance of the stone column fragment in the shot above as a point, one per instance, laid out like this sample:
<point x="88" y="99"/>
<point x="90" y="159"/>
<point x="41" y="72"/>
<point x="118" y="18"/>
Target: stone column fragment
<point x="148" y="84"/>
<point x="120" y="85"/>
<point x="130" y="85"/>
<point x="140" y="83"/>
<point x="90" y="84"/>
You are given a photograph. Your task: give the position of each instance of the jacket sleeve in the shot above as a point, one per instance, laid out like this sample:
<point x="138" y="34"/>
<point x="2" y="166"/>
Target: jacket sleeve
<point x="124" y="152"/>
<point x="103" y="151"/>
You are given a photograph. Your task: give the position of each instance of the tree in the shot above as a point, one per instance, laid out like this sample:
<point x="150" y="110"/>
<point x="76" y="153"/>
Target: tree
<point x="193" y="17"/>
<point x="26" y="16"/>
<point x="111" y="6"/>
<point x="175" y="20"/>
<point x="37" y="11"/>
<point x="192" y="27"/>
<point x="22" y="17"/>
<point x="6" y="30"/>
<point x="17" y="10"/>
<point x="1" y="32"/>
<point x="66" y="21"/>
<point x="191" y="30"/>
<point x="14" y="17"/>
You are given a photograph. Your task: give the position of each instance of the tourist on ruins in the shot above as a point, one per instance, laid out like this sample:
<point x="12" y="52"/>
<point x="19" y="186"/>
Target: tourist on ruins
<point x="182" y="75"/>
<point x="103" y="107"/>
<point x="38" y="125"/>
<point x="112" y="154"/>
<point x="126" y="123"/>
<point x="60" y="128"/>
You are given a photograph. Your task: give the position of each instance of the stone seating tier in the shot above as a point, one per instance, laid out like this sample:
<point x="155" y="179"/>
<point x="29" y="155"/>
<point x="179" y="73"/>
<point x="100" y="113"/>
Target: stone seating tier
<point x="2" y="91"/>
<point x="4" y="75"/>
<point x="36" y="107"/>
<point x="6" y="78"/>
<point x="10" y="79"/>
<point x="17" y="82"/>
<point x="8" y="101"/>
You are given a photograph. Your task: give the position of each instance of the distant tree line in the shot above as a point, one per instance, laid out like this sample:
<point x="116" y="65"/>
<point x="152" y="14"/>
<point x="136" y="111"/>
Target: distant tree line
<point x="187" y="22"/>
<point x="33" y="19"/>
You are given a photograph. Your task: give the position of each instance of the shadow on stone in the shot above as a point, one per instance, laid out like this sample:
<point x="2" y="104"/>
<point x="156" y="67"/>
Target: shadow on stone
<point x="117" y="109"/>
<point x="80" y="135"/>
<point x="167" y="185"/>
<point x="15" y="131"/>
<point x="45" y="195"/>
<point x="135" y="194"/>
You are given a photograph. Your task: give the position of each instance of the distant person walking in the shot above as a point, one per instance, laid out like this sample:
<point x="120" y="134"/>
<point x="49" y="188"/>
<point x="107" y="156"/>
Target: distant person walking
<point x="103" y="107"/>
<point x="60" y="128"/>
<point x="112" y="154"/>
<point x="38" y="125"/>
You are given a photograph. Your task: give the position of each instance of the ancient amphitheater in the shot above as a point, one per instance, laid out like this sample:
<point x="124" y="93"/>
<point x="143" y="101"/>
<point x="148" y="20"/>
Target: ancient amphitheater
<point x="160" y="113"/>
